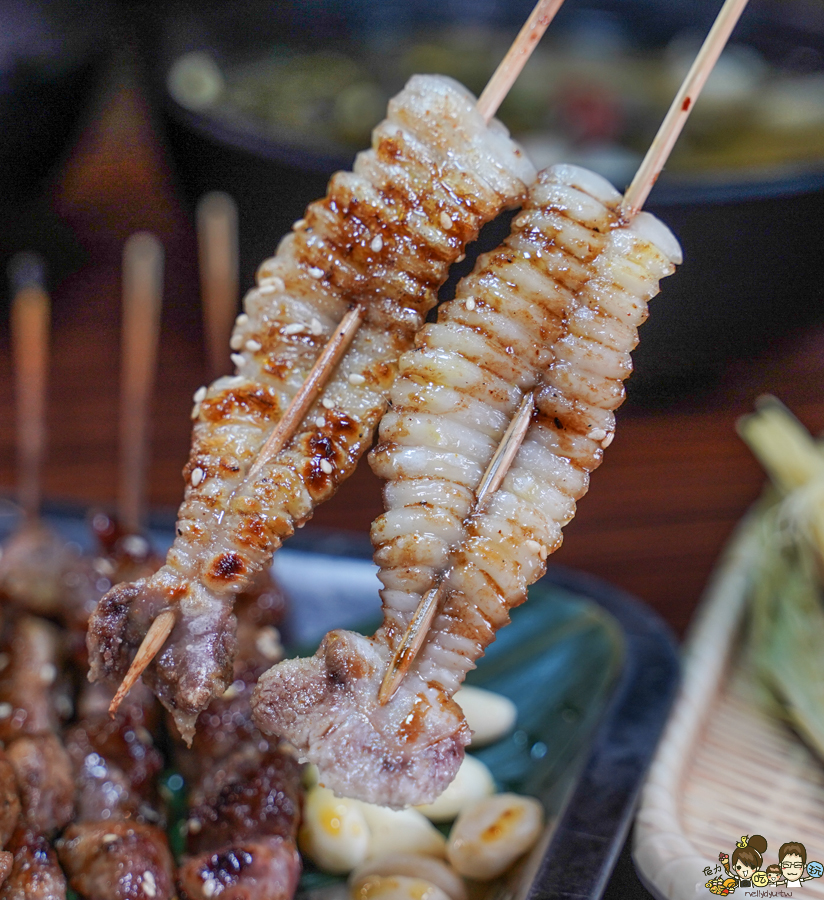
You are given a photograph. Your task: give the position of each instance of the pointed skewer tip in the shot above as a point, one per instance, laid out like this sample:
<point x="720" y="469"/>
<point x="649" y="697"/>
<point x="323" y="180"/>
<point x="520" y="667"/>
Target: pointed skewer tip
<point x="155" y="638"/>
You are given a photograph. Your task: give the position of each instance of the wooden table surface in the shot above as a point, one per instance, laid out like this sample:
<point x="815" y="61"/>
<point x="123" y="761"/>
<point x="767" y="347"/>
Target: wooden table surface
<point x="660" y="509"/>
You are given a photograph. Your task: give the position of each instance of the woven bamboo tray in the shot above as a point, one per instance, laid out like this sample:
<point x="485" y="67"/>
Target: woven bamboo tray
<point x="724" y="768"/>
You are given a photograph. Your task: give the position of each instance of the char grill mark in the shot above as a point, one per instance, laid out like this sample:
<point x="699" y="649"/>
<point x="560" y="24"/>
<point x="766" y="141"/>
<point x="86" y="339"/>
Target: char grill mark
<point x="384" y="237"/>
<point x="548" y="312"/>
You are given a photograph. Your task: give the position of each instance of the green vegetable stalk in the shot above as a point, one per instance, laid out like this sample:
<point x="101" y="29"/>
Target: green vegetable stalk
<point x="785" y="637"/>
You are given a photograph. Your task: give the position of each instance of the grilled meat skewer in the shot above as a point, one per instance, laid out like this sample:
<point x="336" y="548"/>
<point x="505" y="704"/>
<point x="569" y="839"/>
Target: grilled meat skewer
<point x="554" y="311"/>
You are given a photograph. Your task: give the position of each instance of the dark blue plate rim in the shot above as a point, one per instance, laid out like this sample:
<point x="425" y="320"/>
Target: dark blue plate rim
<point x="597" y="816"/>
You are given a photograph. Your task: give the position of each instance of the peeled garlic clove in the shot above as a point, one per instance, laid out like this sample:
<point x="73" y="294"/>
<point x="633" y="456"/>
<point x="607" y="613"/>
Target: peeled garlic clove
<point x="394" y="830"/>
<point x="333" y="832"/>
<point x="412" y="865"/>
<point x="491" y="834"/>
<point x="395" y="887"/>
<point x="473" y="782"/>
<point x="489" y="715"/>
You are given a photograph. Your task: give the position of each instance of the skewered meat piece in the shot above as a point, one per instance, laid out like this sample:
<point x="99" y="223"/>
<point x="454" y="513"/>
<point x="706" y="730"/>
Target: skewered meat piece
<point x="35" y="873"/>
<point x="116" y="765"/>
<point x="244" y="844"/>
<point x="40" y="573"/>
<point x="116" y="848"/>
<point x="384" y="238"/>
<point x="31" y="695"/>
<point x="37" y="798"/>
<point x="554" y="310"/>
<point x="117" y="861"/>
<point x="244" y="808"/>
<point x="227" y="724"/>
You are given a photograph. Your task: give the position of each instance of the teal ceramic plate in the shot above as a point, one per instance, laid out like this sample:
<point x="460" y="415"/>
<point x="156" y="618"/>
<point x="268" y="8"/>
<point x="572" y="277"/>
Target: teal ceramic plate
<point x="558" y="661"/>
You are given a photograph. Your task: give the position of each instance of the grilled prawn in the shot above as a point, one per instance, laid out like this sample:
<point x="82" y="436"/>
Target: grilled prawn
<point x="383" y="238"/>
<point x="553" y="311"/>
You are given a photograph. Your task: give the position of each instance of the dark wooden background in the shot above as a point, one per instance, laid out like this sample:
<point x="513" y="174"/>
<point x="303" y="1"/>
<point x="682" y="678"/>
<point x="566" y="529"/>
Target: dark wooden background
<point x="660" y="509"/>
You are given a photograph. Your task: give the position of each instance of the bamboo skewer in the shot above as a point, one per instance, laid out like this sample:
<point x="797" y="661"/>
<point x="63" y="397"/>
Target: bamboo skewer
<point x="30" y="318"/>
<point x="142" y="294"/>
<point x="217" y="245"/>
<point x="418" y="628"/>
<point x="142" y="290"/>
<point x="678" y="113"/>
<point x="492" y="96"/>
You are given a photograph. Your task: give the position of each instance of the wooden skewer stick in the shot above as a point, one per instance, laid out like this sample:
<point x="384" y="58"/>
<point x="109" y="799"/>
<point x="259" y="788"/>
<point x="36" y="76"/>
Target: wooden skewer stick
<point x="142" y="291"/>
<point x="492" y="96"/>
<point x="217" y="243"/>
<point x="505" y="454"/>
<point x="661" y="146"/>
<point x="510" y="67"/>
<point x="312" y="385"/>
<point x="421" y="621"/>
<point x="155" y="638"/>
<point x="418" y="628"/>
<point x="30" y="317"/>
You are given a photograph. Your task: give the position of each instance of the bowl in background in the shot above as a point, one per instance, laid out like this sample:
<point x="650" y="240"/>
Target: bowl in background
<point x="751" y="256"/>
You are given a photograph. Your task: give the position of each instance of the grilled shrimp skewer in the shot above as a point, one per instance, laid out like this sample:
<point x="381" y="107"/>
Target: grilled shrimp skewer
<point x="422" y="245"/>
<point x="576" y="273"/>
<point x="383" y="238"/>
<point x="554" y="311"/>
